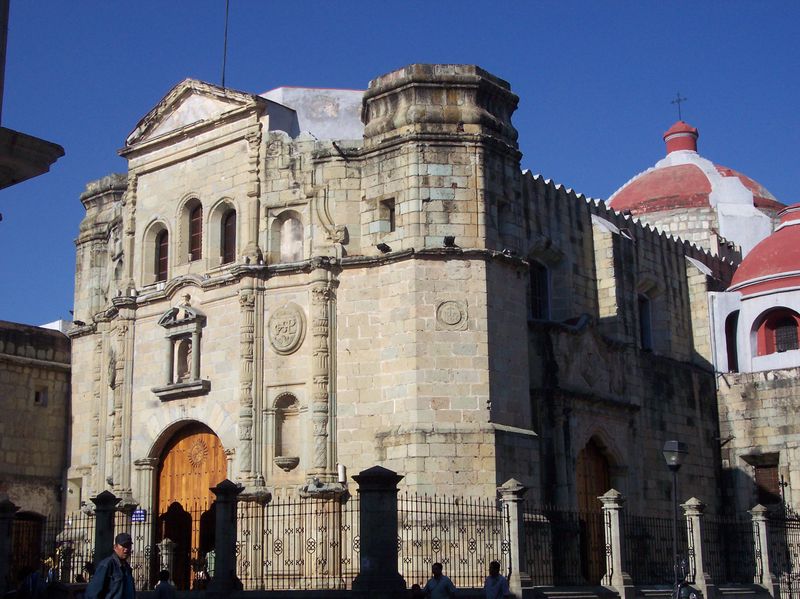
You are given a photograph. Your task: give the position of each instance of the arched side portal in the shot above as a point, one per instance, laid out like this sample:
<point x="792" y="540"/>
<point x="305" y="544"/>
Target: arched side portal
<point x="192" y="461"/>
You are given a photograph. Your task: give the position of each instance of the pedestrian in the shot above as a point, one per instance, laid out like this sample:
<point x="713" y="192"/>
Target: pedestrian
<point x="164" y="589"/>
<point x="416" y="591"/>
<point x="33" y="585"/>
<point x="113" y="578"/>
<point x="439" y="586"/>
<point x="495" y="586"/>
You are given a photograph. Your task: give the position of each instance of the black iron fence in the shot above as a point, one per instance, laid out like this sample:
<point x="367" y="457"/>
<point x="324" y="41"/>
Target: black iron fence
<point x="59" y="548"/>
<point x="314" y="543"/>
<point x="648" y="547"/>
<point x="309" y="543"/>
<point x="783" y="533"/>
<point x="728" y="549"/>
<point x="564" y="547"/>
<point x="463" y="534"/>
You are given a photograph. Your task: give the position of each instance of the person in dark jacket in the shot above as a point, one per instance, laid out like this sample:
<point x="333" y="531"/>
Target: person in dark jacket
<point x="113" y="578"/>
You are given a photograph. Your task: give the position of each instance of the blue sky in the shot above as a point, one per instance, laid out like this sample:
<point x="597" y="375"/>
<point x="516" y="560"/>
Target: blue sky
<point x="595" y="80"/>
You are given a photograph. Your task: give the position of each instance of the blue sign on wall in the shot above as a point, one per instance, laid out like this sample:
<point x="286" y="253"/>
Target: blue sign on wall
<point x="138" y="515"/>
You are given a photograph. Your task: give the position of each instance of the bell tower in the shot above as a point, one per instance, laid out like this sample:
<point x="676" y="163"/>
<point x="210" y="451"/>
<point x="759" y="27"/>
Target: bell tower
<point x="440" y="159"/>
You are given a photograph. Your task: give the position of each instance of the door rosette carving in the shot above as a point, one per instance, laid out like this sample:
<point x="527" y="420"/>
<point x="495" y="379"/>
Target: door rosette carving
<point x="286" y="329"/>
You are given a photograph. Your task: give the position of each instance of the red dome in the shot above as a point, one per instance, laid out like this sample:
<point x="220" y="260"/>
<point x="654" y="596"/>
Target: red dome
<point x="683" y="180"/>
<point x="774" y="263"/>
<point x="681" y="186"/>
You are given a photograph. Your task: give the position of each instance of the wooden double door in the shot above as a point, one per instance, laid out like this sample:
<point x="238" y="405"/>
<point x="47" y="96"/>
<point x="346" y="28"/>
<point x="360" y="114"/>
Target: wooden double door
<point x="192" y="462"/>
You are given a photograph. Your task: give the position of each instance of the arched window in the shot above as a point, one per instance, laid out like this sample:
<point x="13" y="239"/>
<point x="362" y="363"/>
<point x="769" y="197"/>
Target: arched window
<point x="161" y="255"/>
<point x="731" y="324"/>
<point x="778" y="332"/>
<point x="539" y="291"/>
<point x="196" y="233"/>
<point x="228" y="237"/>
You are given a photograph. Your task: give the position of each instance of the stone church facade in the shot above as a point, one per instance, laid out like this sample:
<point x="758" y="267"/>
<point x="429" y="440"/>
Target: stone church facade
<point x="262" y="300"/>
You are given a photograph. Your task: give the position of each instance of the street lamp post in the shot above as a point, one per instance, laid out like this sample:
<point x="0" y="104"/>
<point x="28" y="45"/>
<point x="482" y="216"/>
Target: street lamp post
<point x="674" y="452"/>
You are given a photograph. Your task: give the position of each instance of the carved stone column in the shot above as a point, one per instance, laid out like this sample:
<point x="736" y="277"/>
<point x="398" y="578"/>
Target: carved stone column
<point x="251" y="249"/>
<point x="95" y="482"/>
<point x="129" y="223"/>
<point x="116" y="374"/>
<point x="322" y="298"/>
<point x="245" y="450"/>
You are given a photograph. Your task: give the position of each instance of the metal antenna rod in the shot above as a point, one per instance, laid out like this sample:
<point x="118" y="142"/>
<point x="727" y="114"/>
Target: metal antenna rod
<point x="225" y="43"/>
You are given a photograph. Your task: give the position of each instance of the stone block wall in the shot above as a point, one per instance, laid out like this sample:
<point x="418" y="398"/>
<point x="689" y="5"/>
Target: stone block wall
<point x="34" y="423"/>
<point x="759" y="425"/>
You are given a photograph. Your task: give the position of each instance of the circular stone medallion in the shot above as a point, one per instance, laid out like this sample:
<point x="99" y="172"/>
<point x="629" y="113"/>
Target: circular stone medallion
<point x="286" y="329"/>
<point x="451" y="314"/>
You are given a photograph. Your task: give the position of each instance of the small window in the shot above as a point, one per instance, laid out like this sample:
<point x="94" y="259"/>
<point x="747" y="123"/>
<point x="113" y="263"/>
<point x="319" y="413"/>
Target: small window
<point x="388" y="215"/>
<point x="785" y="334"/>
<point x="228" y="244"/>
<point x="768" y="486"/>
<point x="40" y="397"/>
<point x="645" y="323"/>
<point x="539" y="291"/>
<point x="777" y="332"/>
<point x="196" y="233"/>
<point x="162" y="255"/>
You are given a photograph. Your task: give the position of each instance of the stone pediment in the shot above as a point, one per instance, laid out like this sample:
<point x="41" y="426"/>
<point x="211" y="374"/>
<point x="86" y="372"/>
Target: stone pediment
<point x="189" y="103"/>
<point x="179" y="315"/>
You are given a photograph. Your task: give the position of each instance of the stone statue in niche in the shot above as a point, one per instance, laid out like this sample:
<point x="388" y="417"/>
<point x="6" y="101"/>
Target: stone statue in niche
<point x="112" y="369"/>
<point x="183" y="368"/>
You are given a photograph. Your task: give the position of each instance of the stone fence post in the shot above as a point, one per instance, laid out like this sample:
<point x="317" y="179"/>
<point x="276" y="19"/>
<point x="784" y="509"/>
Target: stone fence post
<point x="698" y="564"/>
<point x="512" y="494"/>
<point x="764" y="575"/>
<point x="105" y="505"/>
<point x="7" y="512"/>
<point x="225" y="580"/>
<point x="166" y="556"/>
<point x="378" y="577"/>
<point x="615" y="575"/>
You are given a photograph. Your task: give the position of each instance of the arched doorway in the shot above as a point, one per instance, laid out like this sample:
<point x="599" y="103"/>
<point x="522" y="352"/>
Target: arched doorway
<point x="191" y="463"/>
<point x="592" y="480"/>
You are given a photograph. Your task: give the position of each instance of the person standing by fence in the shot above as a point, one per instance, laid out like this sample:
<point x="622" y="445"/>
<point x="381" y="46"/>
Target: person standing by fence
<point x="495" y="586"/>
<point x="439" y="586"/>
<point x="113" y="578"/>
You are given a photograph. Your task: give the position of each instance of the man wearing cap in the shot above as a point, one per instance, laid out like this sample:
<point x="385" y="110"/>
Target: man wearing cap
<point x="113" y="578"/>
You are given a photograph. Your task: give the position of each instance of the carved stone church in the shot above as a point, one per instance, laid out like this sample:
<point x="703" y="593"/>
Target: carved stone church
<point x="288" y="288"/>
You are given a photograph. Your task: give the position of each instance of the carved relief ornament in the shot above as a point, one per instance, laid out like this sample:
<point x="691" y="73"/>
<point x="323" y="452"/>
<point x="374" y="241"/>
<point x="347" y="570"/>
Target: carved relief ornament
<point x="286" y="328"/>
